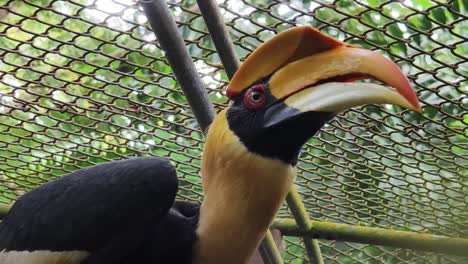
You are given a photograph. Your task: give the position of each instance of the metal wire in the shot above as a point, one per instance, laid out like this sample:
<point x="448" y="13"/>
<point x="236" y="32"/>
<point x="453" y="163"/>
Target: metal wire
<point x="83" y="82"/>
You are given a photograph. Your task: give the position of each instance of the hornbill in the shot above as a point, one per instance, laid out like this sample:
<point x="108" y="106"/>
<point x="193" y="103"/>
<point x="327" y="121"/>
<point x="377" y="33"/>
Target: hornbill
<point x="125" y="211"/>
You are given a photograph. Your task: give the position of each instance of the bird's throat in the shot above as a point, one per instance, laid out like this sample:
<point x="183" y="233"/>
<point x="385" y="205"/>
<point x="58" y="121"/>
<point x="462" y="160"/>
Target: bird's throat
<point x="243" y="192"/>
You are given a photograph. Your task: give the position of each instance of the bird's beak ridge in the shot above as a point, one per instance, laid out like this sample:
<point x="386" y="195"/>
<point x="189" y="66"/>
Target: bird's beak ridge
<point x="323" y="82"/>
<point x="310" y="71"/>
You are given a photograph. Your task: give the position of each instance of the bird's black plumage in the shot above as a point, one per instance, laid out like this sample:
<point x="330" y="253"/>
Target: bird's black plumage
<point x="110" y="210"/>
<point x="172" y="240"/>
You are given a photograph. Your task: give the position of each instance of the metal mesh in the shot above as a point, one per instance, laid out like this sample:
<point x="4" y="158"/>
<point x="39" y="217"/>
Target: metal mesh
<point x="84" y="82"/>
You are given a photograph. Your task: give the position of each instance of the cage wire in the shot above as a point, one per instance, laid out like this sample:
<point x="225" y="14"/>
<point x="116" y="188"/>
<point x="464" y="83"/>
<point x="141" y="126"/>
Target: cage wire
<point x="85" y="81"/>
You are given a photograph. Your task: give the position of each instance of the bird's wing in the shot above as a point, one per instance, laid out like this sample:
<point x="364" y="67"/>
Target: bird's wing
<point x="88" y="214"/>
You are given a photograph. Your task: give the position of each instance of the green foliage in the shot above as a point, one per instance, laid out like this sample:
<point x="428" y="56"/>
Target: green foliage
<point x="84" y="82"/>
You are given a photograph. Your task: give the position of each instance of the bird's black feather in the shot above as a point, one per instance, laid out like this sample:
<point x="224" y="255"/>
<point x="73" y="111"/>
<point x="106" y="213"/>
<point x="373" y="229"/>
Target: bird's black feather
<point x="105" y="209"/>
<point x="253" y="129"/>
<point x="173" y="240"/>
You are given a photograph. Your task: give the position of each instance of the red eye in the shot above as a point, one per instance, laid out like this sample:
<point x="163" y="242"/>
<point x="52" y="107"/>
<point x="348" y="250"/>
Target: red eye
<point x="254" y="98"/>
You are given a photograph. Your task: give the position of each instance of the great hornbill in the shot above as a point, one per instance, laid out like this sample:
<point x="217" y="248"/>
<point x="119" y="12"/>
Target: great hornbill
<point x="124" y="211"/>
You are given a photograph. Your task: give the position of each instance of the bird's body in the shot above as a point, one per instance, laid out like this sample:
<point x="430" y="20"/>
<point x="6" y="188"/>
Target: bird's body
<point x="125" y="212"/>
<point x="108" y="213"/>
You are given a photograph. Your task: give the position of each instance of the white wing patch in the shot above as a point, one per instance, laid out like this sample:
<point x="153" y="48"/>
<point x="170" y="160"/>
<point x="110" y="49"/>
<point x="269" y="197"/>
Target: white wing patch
<point x="42" y="257"/>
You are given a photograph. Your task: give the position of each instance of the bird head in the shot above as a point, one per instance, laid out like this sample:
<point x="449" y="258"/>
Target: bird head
<point x="290" y="86"/>
<point x="281" y="95"/>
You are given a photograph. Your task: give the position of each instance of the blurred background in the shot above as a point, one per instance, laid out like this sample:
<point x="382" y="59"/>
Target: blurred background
<point x="85" y="81"/>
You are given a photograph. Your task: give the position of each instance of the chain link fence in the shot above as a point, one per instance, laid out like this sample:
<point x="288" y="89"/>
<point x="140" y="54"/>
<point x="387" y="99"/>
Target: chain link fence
<point x="84" y="82"/>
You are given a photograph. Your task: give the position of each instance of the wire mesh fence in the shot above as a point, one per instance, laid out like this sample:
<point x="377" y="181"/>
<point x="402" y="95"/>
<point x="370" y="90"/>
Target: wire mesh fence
<point x="84" y="82"/>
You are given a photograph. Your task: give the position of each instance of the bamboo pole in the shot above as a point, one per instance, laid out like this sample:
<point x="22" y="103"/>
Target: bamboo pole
<point x="220" y="35"/>
<point x="269" y="251"/>
<point x="301" y="216"/>
<point x="376" y="236"/>
<point x="168" y="35"/>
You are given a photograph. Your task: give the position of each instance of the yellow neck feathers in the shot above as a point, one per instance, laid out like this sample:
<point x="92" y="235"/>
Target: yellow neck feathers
<point x="243" y="193"/>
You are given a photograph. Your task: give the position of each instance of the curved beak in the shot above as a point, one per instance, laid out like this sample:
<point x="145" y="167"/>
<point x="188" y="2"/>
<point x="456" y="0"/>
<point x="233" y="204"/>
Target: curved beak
<point x="308" y="71"/>
<point x="323" y="82"/>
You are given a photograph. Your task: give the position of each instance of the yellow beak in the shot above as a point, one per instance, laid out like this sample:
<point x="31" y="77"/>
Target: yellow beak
<point x="310" y="71"/>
